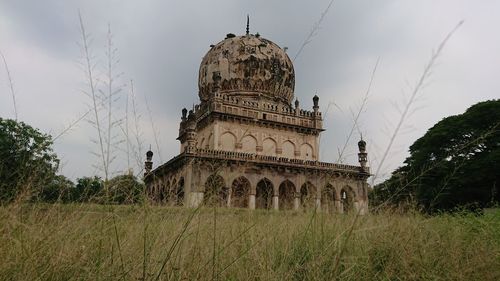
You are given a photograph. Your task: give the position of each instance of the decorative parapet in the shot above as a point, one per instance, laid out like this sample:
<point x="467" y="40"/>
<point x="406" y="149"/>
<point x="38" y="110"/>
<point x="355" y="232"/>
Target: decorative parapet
<point x="263" y="159"/>
<point x="233" y="155"/>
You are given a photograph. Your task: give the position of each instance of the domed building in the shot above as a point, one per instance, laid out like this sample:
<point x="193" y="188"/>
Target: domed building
<point x="248" y="144"/>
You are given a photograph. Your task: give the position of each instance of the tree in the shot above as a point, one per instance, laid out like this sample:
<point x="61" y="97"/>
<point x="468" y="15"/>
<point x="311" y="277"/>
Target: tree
<point x="61" y="189"/>
<point x="28" y="162"/>
<point x="456" y="163"/>
<point x="125" y="189"/>
<point x="88" y="189"/>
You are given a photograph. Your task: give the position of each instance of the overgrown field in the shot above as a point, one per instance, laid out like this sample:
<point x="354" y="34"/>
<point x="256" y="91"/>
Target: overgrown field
<point x="92" y="242"/>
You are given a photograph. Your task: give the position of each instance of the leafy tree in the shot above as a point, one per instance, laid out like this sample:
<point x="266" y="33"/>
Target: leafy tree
<point x="60" y="189"/>
<point x="125" y="189"/>
<point x="456" y="163"/>
<point x="88" y="189"/>
<point x="27" y="161"/>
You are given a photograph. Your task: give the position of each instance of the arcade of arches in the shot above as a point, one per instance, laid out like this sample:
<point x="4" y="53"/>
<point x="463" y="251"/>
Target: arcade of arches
<point x="273" y="191"/>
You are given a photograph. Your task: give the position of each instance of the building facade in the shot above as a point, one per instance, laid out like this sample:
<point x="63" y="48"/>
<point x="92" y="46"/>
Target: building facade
<point x="248" y="144"/>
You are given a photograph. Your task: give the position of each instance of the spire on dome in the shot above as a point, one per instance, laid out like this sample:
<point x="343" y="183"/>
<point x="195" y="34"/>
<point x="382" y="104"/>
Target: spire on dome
<point x="248" y="24"/>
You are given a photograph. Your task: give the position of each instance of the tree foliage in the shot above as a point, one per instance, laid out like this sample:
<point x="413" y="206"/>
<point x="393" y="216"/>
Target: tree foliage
<point x="27" y="161"/>
<point x="456" y="163"/>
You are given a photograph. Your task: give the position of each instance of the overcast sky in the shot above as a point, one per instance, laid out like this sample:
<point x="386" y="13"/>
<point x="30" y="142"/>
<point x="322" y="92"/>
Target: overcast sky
<point x="161" y="43"/>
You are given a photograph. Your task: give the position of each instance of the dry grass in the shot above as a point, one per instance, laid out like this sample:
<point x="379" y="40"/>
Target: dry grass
<point x="93" y="242"/>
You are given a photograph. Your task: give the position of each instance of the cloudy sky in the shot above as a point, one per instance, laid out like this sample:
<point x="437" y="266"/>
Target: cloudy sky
<point x="161" y="43"/>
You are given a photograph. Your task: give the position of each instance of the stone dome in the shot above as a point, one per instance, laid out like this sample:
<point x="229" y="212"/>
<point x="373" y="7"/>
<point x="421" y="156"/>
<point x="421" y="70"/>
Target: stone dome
<point x="247" y="65"/>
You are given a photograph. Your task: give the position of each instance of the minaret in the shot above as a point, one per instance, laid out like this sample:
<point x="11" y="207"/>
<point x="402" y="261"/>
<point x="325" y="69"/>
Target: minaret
<point x="148" y="165"/>
<point x="362" y="155"/>
<point x="316" y="103"/>
<point x="191" y="133"/>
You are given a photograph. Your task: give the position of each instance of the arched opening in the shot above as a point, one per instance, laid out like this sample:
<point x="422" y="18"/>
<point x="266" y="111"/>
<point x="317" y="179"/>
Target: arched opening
<point x="328" y="199"/>
<point x="347" y="199"/>
<point x="307" y="195"/>
<point x="179" y="192"/>
<point x="264" y="194"/>
<point x="286" y="195"/>
<point x="306" y="151"/>
<point x="288" y="149"/>
<point x="201" y="144"/>
<point x="162" y="195"/>
<point x="227" y="141"/>
<point x="249" y="144"/>
<point x="240" y="190"/>
<point x="215" y="191"/>
<point x="269" y="147"/>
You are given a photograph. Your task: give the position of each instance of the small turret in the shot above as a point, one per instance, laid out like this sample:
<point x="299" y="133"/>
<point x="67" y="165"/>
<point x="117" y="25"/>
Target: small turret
<point x="184" y="114"/>
<point x="316" y="103"/>
<point x="362" y="155"/>
<point x="297" y="107"/>
<point x="191" y="133"/>
<point x="148" y="165"/>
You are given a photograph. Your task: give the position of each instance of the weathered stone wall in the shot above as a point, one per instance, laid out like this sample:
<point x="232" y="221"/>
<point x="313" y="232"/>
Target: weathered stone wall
<point x="231" y="136"/>
<point x="288" y="189"/>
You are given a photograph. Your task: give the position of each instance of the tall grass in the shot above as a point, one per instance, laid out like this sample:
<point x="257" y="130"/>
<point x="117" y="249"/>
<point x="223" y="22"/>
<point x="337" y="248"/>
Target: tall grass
<point x="88" y="242"/>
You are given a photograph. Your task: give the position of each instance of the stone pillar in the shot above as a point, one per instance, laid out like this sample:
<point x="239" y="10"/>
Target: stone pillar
<point x="296" y="203"/>
<point x="216" y="136"/>
<point x="356" y="206"/>
<point x="338" y="207"/>
<point x="229" y="199"/>
<point x="251" y="202"/>
<point x="275" y="202"/>
<point x="188" y="180"/>
<point x="195" y="199"/>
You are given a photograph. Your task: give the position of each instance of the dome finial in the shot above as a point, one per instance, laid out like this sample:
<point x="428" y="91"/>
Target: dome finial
<point x="248" y="24"/>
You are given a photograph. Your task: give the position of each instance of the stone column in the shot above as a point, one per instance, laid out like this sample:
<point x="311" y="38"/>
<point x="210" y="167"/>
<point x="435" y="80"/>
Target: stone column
<point x="338" y="207"/>
<point x="251" y="202"/>
<point x="296" y="203"/>
<point x="275" y="202"/>
<point x="195" y="199"/>
<point x="188" y="190"/>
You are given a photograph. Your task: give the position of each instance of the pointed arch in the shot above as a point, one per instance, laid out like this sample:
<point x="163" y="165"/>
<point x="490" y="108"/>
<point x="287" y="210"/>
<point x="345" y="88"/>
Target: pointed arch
<point x="227" y="141"/>
<point x="179" y="192"/>
<point x="288" y="149"/>
<point x="307" y="195"/>
<point x="347" y="196"/>
<point x="201" y="145"/>
<point x="264" y="194"/>
<point x="249" y="144"/>
<point x="328" y="198"/>
<point x="306" y="151"/>
<point x="215" y="191"/>
<point x="286" y="195"/>
<point x="269" y="147"/>
<point x="240" y="191"/>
